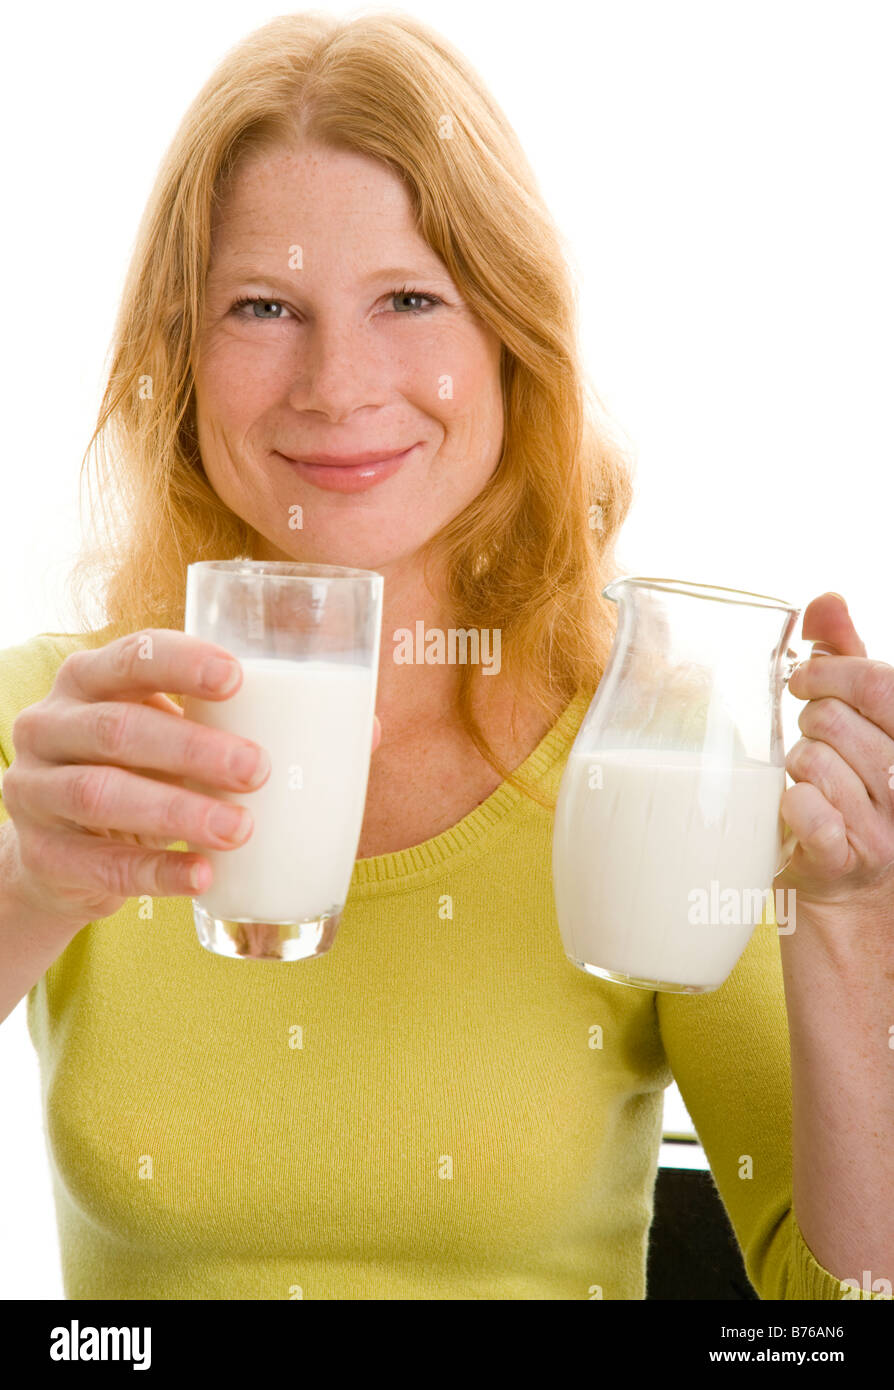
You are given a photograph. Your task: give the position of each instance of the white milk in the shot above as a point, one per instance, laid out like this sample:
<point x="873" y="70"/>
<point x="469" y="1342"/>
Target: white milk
<point x="314" y="718"/>
<point x="628" y="855"/>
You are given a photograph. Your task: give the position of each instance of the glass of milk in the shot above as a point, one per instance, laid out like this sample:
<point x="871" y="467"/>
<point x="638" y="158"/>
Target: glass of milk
<point x="307" y="638"/>
<point x="667" y="832"/>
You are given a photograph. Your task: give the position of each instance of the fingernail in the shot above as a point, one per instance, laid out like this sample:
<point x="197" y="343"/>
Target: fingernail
<point x="250" y="764"/>
<point x="230" y="822"/>
<point x="219" y="674"/>
<point x="197" y="876"/>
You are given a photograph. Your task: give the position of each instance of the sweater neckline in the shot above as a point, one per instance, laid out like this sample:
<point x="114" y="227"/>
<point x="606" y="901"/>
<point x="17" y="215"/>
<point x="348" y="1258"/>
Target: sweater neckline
<point x="474" y="832"/>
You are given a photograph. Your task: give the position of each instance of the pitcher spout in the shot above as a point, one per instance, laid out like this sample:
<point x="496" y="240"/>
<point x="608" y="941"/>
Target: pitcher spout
<point x="711" y="592"/>
<point x="615" y="589"/>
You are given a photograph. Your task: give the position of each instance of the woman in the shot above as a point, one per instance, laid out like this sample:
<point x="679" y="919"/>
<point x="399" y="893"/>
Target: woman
<point x="346" y="253"/>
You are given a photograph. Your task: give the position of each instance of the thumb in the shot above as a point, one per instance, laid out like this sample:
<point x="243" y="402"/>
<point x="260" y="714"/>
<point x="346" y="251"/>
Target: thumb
<point x="828" y="625"/>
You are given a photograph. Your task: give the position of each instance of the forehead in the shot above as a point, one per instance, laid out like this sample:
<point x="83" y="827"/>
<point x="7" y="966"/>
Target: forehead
<point x="313" y="192"/>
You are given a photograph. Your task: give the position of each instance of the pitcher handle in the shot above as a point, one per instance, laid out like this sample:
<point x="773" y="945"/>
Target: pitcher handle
<point x="790" y="842"/>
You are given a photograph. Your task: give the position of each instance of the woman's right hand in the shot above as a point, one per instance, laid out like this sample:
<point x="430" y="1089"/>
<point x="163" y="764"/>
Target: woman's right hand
<point x="94" y="789"/>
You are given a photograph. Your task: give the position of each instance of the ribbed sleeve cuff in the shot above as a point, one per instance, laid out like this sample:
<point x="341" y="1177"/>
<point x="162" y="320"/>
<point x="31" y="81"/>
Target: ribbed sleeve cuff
<point x="811" y="1280"/>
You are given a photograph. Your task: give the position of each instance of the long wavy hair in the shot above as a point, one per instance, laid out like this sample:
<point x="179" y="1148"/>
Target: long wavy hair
<point x="529" y="555"/>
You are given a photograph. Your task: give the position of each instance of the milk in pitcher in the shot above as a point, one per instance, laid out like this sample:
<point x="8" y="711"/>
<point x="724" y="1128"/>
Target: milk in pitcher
<point x="640" y="836"/>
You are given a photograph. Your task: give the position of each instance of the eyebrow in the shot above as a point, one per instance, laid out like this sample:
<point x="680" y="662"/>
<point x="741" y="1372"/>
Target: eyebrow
<point x="238" y="269"/>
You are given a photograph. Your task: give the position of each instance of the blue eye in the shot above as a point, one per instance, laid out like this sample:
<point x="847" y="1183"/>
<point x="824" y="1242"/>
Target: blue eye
<point x="407" y="293"/>
<point x="258" y="300"/>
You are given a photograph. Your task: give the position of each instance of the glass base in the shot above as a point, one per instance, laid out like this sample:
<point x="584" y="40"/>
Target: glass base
<point x="248" y="940"/>
<point x="666" y="986"/>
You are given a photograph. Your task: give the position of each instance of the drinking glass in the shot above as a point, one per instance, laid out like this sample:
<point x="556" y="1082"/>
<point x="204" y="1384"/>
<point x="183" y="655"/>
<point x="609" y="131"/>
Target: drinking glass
<point x="307" y="638"/>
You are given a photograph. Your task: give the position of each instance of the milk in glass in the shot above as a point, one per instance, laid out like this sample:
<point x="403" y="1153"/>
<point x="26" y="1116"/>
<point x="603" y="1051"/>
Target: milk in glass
<point x="314" y="718"/>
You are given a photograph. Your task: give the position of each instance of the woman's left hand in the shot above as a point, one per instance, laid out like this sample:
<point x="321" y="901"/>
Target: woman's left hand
<point x="842" y="806"/>
<point x="838" y="960"/>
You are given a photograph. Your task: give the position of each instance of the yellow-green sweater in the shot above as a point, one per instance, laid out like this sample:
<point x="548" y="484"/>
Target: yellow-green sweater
<point x="439" y="1107"/>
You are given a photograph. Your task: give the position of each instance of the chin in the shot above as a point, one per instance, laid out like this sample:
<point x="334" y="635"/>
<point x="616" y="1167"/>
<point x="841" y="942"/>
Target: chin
<point x="301" y="554"/>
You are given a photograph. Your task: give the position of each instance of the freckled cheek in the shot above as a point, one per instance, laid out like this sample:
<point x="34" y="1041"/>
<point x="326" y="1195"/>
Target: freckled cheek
<point x="446" y="386"/>
<point x="236" y="390"/>
<point x="473" y="414"/>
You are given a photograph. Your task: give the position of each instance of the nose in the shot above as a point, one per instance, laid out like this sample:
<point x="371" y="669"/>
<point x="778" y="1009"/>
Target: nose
<point x="342" y="367"/>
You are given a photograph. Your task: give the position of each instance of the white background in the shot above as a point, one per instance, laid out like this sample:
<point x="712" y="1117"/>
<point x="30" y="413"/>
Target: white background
<point x="723" y="173"/>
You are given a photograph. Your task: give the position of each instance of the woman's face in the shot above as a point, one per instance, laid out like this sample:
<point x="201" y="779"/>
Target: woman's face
<point x="333" y="360"/>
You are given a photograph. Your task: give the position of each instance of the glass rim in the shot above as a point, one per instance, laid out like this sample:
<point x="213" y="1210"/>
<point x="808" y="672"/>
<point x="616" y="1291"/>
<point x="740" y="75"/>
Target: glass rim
<point x="285" y="569"/>
<point x="716" y="592"/>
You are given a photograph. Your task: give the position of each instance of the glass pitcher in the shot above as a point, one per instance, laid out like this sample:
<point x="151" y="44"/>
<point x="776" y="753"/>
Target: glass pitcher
<point x="667" y="832"/>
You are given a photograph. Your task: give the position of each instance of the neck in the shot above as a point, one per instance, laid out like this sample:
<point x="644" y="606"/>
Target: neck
<point x="412" y="695"/>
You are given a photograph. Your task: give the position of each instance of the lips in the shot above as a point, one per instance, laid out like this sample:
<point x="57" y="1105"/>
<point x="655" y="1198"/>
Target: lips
<point x="348" y="472"/>
<point x="347" y="460"/>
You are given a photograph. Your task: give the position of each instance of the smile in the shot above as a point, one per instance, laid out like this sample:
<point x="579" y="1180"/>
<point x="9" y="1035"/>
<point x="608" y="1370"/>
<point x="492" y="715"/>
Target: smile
<point x="355" y="477"/>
